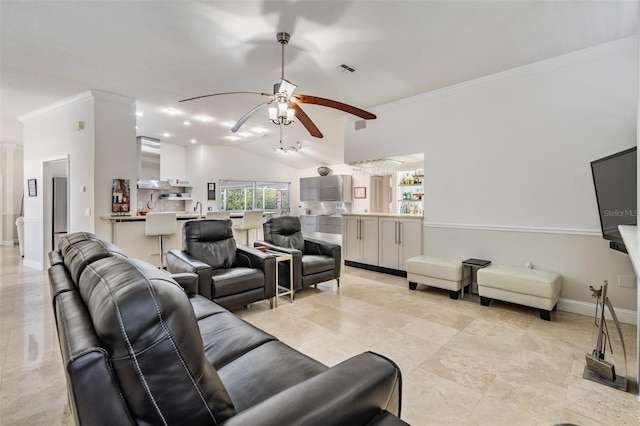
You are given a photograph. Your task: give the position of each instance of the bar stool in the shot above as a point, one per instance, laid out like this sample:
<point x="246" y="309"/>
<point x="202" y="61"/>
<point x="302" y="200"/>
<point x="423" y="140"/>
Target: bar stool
<point x="218" y="215"/>
<point x="252" y="220"/>
<point x="161" y="224"/>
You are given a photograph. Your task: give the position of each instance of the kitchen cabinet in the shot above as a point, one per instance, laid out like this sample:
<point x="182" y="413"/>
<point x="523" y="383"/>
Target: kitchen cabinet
<point x="309" y="189"/>
<point x="309" y="223"/>
<point x="398" y="240"/>
<point x="360" y="239"/>
<point x="326" y="188"/>
<point x="330" y="224"/>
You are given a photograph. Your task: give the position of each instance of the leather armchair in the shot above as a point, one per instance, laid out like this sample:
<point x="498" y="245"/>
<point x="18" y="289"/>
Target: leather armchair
<point x="230" y="275"/>
<point x="314" y="261"/>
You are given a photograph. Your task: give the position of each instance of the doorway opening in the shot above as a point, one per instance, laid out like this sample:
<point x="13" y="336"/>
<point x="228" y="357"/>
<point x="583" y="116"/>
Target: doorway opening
<point x="55" y="190"/>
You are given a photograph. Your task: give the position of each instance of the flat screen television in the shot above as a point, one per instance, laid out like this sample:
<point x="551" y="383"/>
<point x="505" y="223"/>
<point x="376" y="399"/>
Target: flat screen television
<point x="614" y="178"/>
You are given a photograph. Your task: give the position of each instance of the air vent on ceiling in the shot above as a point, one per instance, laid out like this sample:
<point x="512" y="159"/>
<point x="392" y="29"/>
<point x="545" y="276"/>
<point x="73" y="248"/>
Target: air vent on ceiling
<point x="347" y="69"/>
<point x="360" y="124"/>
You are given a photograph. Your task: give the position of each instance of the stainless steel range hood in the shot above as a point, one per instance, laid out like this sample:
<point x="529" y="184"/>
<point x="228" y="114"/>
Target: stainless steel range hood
<point x="153" y="184"/>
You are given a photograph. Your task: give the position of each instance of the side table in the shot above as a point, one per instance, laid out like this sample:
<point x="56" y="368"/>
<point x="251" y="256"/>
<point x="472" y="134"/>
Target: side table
<point x="472" y="263"/>
<point x="281" y="290"/>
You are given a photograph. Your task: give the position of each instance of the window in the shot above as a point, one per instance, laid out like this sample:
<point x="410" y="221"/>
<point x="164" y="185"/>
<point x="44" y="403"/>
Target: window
<point x="238" y="195"/>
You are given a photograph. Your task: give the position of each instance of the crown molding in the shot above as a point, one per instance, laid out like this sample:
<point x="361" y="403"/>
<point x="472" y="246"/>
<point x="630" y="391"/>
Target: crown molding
<point x="73" y="100"/>
<point x="76" y="99"/>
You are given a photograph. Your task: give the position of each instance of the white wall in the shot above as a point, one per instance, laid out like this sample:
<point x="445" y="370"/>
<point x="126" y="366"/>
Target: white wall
<point x="99" y="152"/>
<point x="116" y="156"/>
<point x="211" y="163"/>
<point x="172" y="162"/>
<point x="511" y="153"/>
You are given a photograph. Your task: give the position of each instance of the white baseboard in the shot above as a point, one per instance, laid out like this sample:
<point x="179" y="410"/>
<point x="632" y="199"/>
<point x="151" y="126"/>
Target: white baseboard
<point x="32" y="264"/>
<point x="583" y="308"/>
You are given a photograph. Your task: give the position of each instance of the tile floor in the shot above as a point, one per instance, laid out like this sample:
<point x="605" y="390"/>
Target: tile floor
<point x="462" y="364"/>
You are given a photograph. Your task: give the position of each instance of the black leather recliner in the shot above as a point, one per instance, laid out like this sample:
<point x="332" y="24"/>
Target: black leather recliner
<point x="230" y="275"/>
<point x="314" y="261"/>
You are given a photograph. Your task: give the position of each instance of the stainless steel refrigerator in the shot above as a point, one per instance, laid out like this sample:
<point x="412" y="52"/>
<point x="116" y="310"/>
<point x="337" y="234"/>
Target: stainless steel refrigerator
<point x="59" y="222"/>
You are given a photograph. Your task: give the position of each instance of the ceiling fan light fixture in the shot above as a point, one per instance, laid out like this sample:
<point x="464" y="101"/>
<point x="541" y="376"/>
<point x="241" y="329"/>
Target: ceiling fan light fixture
<point x="282" y="150"/>
<point x="287" y="88"/>
<point x="290" y="115"/>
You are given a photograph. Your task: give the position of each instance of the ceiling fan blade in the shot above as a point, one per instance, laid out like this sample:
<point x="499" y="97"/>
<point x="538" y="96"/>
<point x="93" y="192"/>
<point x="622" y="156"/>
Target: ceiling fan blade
<point x="308" y="99"/>
<point x="248" y="115"/>
<point x="226" y="93"/>
<point x="306" y="121"/>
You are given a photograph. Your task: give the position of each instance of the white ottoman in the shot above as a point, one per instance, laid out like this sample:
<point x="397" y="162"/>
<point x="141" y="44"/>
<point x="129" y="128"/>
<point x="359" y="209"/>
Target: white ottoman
<point x="530" y="287"/>
<point x="441" y="272"/>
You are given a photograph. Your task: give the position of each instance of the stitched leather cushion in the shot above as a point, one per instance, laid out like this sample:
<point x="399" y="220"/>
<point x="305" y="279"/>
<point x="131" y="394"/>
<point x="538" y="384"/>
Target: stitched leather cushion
<point x="236" y="280"/>
<point x="211" y="241"/>
<point x="284" y="231"/>
<point x="313" y="264"/>
<point x="145" y="321"/>
<point x="83" y="252"/>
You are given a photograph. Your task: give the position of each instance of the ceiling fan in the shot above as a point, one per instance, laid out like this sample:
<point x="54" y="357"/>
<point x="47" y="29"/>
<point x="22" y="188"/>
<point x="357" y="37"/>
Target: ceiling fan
<point x="286" y="105"/>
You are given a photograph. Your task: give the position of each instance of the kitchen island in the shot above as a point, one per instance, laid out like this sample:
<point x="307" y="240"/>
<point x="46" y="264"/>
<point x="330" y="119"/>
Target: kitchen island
<point x="128" y="233"/>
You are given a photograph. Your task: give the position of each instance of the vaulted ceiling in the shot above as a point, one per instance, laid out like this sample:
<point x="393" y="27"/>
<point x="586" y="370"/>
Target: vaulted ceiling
<point x="161" y="52"/>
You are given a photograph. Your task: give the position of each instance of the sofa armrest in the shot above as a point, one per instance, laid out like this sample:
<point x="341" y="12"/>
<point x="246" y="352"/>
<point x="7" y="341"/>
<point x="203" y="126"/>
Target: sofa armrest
<point x="353" y="392"/>
<point x="188" y="281"/>
<point x="250" y="257"/>
<point x="179" y="261"/>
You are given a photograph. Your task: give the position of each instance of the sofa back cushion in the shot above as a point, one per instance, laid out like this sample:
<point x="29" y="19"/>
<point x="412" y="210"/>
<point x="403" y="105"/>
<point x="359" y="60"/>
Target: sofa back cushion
<point x="284" y="231"/>
<point x="210" y="241"/>
<point x="146" y="323"/>
<point x="85" y="251"/>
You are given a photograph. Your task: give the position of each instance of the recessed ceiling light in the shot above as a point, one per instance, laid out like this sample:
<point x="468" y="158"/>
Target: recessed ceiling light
<point x="166" y="135"/>
<point x="139" y="113"/>
<point x="203" y="118"/>
<point x="259" y="130"/>
<point x="186" y="123"/>
<point x="232" y="138"/>
<point x="171" y="111"/>
<point x="193" y="141"/>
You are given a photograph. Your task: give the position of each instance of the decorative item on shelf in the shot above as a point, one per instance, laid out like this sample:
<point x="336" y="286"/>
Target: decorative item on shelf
<point x="323" y="170"/>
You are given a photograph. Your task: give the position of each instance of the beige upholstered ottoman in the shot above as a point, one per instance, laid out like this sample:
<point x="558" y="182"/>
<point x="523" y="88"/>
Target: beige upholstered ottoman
<point x="441" y="272"/>
<point x="530" y="287"/>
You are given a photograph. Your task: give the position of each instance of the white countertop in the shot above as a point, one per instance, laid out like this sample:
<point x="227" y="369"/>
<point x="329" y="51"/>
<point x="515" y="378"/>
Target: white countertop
<point x="179" y="215"/>
<point x="416" y="216"/>
<point x="631" y="240"/>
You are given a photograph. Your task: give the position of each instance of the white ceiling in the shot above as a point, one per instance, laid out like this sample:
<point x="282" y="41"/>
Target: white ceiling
<point x="161" y="52"/>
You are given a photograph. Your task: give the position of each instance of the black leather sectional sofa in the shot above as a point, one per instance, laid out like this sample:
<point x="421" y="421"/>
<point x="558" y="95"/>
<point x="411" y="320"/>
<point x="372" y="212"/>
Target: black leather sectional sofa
<point x="139" y="348"/>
